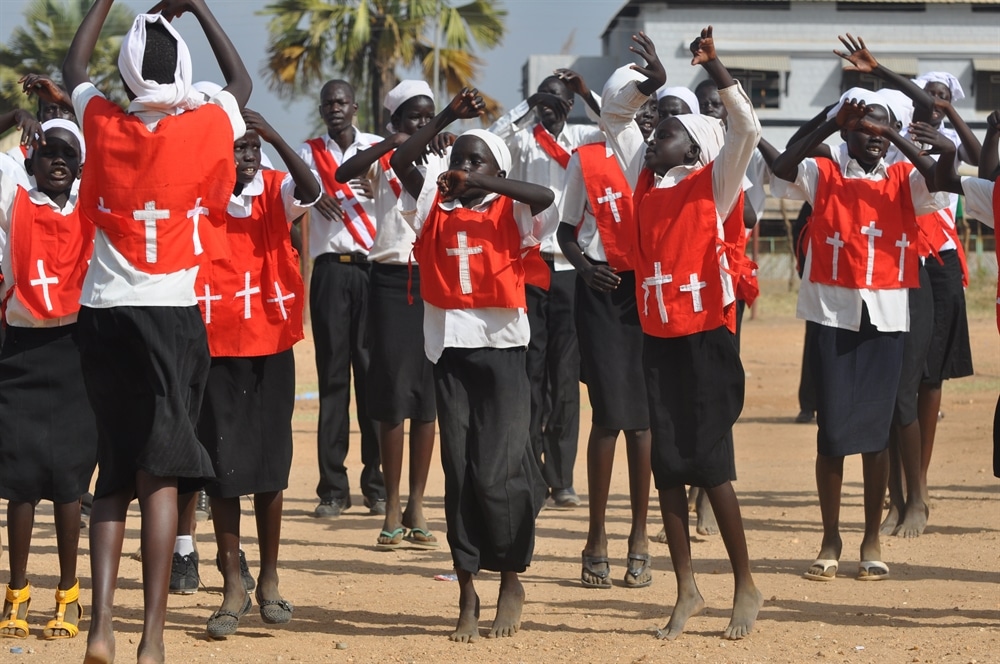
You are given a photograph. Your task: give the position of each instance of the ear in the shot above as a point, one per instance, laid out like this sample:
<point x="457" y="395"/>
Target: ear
<point x="501" y="173"/>
<point x="843" y="135"/>
<point x="29" y="167"/>
<point x="691" y="156"/>
<point x="79" y="172"/>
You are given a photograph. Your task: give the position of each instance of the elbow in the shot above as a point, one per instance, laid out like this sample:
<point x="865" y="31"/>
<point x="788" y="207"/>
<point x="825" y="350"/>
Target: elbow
<point x="342" y="176"/>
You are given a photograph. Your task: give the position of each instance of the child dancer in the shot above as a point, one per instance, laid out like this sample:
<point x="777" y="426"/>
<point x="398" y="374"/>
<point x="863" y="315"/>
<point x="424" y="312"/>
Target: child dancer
<point x="689" y="220"/>
<point x="472" y="224"/>
<point x="143" y="347"/>
<point x="48" y="449"/>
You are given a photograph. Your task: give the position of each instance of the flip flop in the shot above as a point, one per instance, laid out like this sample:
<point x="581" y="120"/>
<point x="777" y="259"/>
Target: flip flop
<point x="867" y="568"/>
<point x="224" y="623"/>
<point x="826" y="574"/>
<point x="422" y="539"/>
<point x="603" y="575"/>
<point x="632" y="576"/>
<point x="395" y="538"/>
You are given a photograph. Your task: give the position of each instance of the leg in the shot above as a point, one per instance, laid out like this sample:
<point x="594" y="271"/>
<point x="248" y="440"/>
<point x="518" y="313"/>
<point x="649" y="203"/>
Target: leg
<point x="372" y="483"/>
<point x="267" y="508"/>
<point x="67" y="521"/>
<point x="807" y="384"/>
<point x="706" y="524"/>
<point x="421" y="451"/>
<point x="390" y="440"/>
<point x="20" y="523"/>
<point x="158" y="506"/>
<point x="536" y="365"/>
<point x="637" y="444"/>
<point x="510" y="602"/>
<point x="562" y="356"/>
<point x="916" y="511"/>
<point x="673" y="506"/>
<point x="829" y="482"/>
<point x="184" y="574"/>
<point x="467" y="629"/>
<point x="107" y="533"/>
<point x="747" y="600"/>
<point x="897" y="503"/>
<point x="226" y="522"/>
<point x="875" y="466"/>
<point x="928" y="407"/>
<point x="600" y="460"/>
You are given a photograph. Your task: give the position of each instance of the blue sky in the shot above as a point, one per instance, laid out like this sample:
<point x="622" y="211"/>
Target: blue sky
<point x="533" y="26"/>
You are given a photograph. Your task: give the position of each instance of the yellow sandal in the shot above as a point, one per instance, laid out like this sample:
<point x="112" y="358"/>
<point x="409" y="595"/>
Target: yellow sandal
<point x="19" y="625"/>
<point x="64" y="597"/>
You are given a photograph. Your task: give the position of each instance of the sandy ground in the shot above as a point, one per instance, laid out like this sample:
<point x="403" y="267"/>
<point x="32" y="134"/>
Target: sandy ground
<point x="355" y="604"/>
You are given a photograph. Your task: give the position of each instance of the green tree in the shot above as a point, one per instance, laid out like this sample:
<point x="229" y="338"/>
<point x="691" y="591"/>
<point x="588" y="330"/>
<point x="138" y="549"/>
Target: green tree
<point x="366" y="41"/>
<point x="40" y="48"/>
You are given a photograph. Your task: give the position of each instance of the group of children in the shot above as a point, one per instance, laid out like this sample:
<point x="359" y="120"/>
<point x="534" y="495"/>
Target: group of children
<point x="160" y="325"/>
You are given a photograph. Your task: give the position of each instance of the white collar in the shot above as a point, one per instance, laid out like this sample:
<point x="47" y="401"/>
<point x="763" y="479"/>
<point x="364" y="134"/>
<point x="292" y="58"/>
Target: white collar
<point x="240" y="205"/>
<point x="481" y="207"/>
<point x="39" y="197"/>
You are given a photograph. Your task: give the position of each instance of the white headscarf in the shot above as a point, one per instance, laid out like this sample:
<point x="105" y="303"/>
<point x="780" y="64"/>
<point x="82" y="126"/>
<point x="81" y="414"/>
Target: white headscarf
<point x="163" y="96"/>
<point x="405" y="91"/>
<point x="71" y="127"/>
<point x="900" y="105"/>
<point x="619" y="79"/>
<point x="944" y="77"/>
<point x="861" y="94"/>
<point x="496" y="145"/>
<point x="707" y="132"/>
<point x="682" y="93"/>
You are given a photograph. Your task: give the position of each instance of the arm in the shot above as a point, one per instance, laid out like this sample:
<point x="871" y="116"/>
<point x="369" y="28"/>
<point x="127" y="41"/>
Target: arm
<point x="46" y="89"/>
<point x="576" y="83"/>
<point x="358" y="165"/>
<point x="785" y="165"/>
<point x="919" y="159"/>
<point x="821" y="150"/>
<point x="31" y="129"/>
<point x="768" y="151"/>
<point x="601" y="278"/>
<point x="971" y="149"/>
<point x="238" y="81"/>
<point x="863" y="61"/>
<point x="453" y="184"/>
<point x="989" y="159"/>
<point x="75" y="65"/>
<point x="306" y="186"/>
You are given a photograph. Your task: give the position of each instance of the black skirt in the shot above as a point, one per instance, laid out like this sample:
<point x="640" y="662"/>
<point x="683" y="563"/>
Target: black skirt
<point x="857" y="377"/>
<point x="695" y="386"/>
<point x="607" y="326"/>
<point x="246" y="423"/>
<point x="145" y="370"/>
<point x="400" y="377"/>
<point x="48" y="436"/>
<point x="915" y="345"/>
<point x="950" y="353"/>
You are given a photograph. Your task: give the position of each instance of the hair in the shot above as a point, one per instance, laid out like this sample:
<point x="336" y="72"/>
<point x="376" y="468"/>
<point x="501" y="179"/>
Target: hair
<point x="337" y="82"/>
<point x="706" y="84"/>
<point x="568" y="94"/>
<point x="159" y="61"/>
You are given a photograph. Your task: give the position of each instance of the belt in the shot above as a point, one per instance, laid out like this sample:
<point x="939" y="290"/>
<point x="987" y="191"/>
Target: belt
<point x="355" y="257"/>
<point x="548" y="256"/>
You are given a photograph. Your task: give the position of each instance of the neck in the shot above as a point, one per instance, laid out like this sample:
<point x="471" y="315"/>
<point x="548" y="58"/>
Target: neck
<point x="867" y="166"/>
<point x="238" y="189"/>
<point x="555" y="128"/>
<point x="58" y="197"/>
<point x="345" y="137"/>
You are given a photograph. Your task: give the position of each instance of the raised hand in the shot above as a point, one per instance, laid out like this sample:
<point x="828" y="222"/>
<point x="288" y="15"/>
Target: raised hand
<point x="851" y="113"/>
<point x="255" y="122"/>
<point x="171" y="9"/>
<point x="44" y="87"/>
<point x="857" y="54"/>
<point x="993" y="122"/>
<point x="31" y="128"/>
<point x="559" y="105"/>
<point x="467" y="104"/>
<point x="452" y="184"/>
<point x="703" y="48"/>
<point x="573" y="81"/>
<point x="646" y="49"/>
<point x="929" y="137"/>
<point x="440" y="143"/>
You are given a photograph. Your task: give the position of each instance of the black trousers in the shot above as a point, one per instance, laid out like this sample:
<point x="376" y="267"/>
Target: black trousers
<point x="490" y="475"/>
<point x="338" y="303"/>
<point x="807" y="384"/>
<point x="553" y="365"/>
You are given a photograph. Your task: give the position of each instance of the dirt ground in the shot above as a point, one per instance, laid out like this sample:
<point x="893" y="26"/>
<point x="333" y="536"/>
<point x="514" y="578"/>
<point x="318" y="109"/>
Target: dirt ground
<point x="355" y="604"/>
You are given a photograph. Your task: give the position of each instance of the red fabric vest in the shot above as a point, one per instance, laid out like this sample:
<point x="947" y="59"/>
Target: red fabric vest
<point x="864" y="233"/>
<point x="159" y="196"/>
<point x="611" y="200"/>
<point x="996" y="215"/>
<point x="356" y="220"/>
<point x="677" y="258"/>
<point x="940" y="227"/>
<point x="470" y="259"/>
<point x="252" y="298"/>
<point x="49" y="254"/>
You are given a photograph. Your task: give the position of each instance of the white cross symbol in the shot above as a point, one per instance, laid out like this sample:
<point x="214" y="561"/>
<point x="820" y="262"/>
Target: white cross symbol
<point x="463" y="251"/>
<point x="246" y="293"/>
<point x="148" y="215"/>
<point x="694" y="287"/>
<point x="872" y="233"/>
<point x="837" y="244"/>
<point x="658" y="279"/>
<point x="902" y="244"/>
<point x="207" y="299"/>
<point x="44" y="282"/>
<point x="280" y="299"/>
<point x="610" y="196"/>
<point x="194" y="214"/>
<point x="100" y="206"/>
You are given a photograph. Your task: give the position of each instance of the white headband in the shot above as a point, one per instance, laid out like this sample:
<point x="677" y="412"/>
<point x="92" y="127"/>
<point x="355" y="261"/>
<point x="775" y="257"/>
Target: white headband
<point x="944" y="77"/>
<point x="900" y="105"/>
<point x="496" y="145"/>
<point x="861" y="94"/>
<point x="154" y="95"/>
<point x="682" y="93"/>
<point x="71" y="127"/>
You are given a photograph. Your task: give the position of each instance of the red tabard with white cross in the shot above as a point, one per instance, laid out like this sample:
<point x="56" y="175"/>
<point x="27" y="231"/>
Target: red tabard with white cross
<point x="996" y="215"/>
<point x="611" y="200"/>
<point x="470" y="259"/>
<point x="49" y="254"/>
<point x="678" y="257"/>
<point x="159" y="196"/>
<point x="864" y="233"/>
<point x="252" y="298"/>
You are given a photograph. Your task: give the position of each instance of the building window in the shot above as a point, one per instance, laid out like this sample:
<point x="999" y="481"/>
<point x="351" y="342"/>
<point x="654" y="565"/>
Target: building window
<point x="861" y="6"/>
<point x="987" y="89"/>
<point x="763" y="87"/>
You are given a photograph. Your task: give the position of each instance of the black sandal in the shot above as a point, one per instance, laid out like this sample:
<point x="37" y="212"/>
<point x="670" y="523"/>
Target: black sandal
<point x="632" y="576"/>
<point x="224" y="623"/>
<point x="588" y="568"/>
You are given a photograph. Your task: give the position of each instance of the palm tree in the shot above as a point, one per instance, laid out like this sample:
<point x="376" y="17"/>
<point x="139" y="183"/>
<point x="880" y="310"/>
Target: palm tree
<point x="366" y="40"/>
<point x="40" y="47"/>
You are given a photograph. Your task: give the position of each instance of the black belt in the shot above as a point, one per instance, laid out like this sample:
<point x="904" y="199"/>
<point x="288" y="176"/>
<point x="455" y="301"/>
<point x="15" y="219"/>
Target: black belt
<point x="355" y="257"/>
<point x="547" y="256"/>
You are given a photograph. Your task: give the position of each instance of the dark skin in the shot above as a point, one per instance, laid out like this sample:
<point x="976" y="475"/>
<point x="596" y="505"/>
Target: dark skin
<point x="670" y="106"/>
<point x="578" y="86"/>
<point x="31" y="128"/>
<point x="646" y="118"/>
<point x="54" y="102"/>
<point x="552" y="102"/>
<point x="157" y="495"/>
<point x="989" y="159"/>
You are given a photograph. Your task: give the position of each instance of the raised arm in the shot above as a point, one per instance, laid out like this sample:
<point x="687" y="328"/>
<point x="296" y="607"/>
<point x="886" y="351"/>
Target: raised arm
<point x="925" y="133"/>
<point x="46" y="89"/>
<point x="358" y="165"/>
<point x="786" y="165"/>
<point x="453" y="184"/>
<point x="307" y="187"/>
<point x="75" y="66"/>
<point x="989" y="159"/>
<point x="971" y="148"/>
<point x="576" y="83"/>
<point x="31" y="128"/>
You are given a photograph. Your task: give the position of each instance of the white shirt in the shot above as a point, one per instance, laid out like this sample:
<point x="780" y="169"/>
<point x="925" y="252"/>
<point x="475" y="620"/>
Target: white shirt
<point x="836" y="306"/>
<point x="575" y="210"/>
<point x="332" y="237"/>
<point x="112" y="281"/>
<point x="241" y="205"/>
<point x="979" y="199"/>
<point x="894" y="155"/>
<point x="17" y="314"/>
<point x="729" y="166"/>
<point x="488" y="327"/>
<point x="530" y="163"/>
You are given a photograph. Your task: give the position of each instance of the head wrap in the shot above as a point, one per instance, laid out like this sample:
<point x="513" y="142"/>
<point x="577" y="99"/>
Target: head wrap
<point x="900" y="105"/>
<point x="207" y="89"/>
<point x="619" y="79"/>
<point x="405" y="91"/>
<point x="71" y="127"/>
<point x="861" y="94"/>
<point x="496" y="146"/>
<point x="950" y="81"/>
<point x="707" y="132"/>
<point x="162" y="96"/>
<point x="682" y="93"/>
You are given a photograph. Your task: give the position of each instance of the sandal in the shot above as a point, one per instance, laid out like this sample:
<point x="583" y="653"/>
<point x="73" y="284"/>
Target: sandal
<point x="393" y="539"/>
<point x="422" y="539"/>
<point x="274" y="611"/>
<point x="64" y="597"/>
<point x="19" y="625"/>
<point x="634" y="577"/>
<point x="603" y="576"/>
<point x="224" y="623"/>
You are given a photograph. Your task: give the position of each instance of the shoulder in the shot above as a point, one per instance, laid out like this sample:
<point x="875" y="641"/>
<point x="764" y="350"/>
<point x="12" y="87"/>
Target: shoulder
<point x="366" y="140"/>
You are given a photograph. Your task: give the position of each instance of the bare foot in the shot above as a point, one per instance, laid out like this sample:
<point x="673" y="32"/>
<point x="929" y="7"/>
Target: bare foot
<point x="706" y="517"/>
<point x="914" y="522"/>
<point x="693" y="498"/>
<point x="467" y="629"/>
<point x="100" y="646"/>
<point x="660" y="537"/>
<point x="686" y="606"/>
<point x="509" y="605"/>
<point x="891" y="522"/>
<point x="746" y="605"/>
